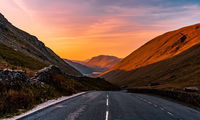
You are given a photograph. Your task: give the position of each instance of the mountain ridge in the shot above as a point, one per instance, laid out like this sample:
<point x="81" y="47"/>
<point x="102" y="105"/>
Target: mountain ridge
<point x="180" y="71"/>
<point x="158" y="49"/>
<point x="28" y="44"/>
<point x="95" y="65"/>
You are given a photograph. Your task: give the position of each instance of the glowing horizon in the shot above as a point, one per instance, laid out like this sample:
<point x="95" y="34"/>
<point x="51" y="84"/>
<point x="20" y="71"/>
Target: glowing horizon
<point x="81" y="29"/>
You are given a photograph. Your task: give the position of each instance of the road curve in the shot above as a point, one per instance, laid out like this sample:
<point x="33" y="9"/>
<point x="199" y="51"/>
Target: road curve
<point x="101" y="105"/>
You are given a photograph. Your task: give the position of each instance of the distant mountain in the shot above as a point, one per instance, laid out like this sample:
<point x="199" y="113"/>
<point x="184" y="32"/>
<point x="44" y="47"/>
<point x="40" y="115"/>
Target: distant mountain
<point x="81" y="62"/>
<point x="103" y="61"/>
<point x="25" y="50"/>
<point x="84" y="69"/>
<point x="136" y="69"/>
<point x="95" y="65"/>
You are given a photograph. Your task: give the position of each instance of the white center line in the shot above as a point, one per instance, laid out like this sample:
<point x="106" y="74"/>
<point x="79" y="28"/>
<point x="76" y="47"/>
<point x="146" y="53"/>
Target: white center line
<point x="107" y="115"/>
<point x="107" y="104"/>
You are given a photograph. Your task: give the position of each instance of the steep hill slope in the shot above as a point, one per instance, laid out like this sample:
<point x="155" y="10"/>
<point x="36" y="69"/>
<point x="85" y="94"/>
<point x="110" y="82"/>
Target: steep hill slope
<point x="103" y="61"/>
<point x="10" y="58"/>
<point x="158" y="49"/>
<point x="180" y="71"/>
<point x="31" y="46"/>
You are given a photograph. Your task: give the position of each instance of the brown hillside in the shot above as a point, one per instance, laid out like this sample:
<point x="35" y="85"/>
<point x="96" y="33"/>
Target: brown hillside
<point x="162" y="47"/>
<point x="180" y="71"/>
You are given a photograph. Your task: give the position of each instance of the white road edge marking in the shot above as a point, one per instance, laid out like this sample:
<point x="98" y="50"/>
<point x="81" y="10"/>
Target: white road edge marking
<point x="155" y="105"/>
<point x="149" y="102"/>
<point x="107" y="104"/>
<point x="170" y="113"/>
<point x="45" y="105"/>
<point x="162" y="108"/>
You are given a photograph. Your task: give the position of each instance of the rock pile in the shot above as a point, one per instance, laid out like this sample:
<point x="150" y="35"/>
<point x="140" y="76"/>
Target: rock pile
<point x="45" y="74"/>
<point x="13" y="75"/>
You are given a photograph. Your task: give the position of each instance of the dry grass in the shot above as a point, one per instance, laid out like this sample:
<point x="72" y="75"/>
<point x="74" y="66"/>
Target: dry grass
<point x="15" y="59"/>
<point x="160" y="48"/>
<point x="170" y="60"/>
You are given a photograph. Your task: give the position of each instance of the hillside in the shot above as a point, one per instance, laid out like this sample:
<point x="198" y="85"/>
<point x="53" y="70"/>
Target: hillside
<point x="178" y="72"/>
<point x="103" y="61"/>
<point x="161" y="48"/>
<point x="10" y="58"/>
<point x="29" y="45"/>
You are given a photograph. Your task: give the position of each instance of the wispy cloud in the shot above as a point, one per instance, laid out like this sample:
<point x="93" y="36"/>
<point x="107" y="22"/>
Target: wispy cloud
<point x="107" y="24"/>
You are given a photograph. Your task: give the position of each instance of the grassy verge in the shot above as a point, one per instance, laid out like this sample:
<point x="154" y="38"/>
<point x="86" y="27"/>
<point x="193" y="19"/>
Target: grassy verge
<point x="16" y="98"/>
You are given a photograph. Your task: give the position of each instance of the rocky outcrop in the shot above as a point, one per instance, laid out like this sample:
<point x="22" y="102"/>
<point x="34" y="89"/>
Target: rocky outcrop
<point x="18" y="77"/>
<point x="45" y="74"/>
<point x="12" y="75"/>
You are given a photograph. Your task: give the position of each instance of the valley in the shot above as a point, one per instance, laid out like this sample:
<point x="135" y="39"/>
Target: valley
<point x="99" y="60"/>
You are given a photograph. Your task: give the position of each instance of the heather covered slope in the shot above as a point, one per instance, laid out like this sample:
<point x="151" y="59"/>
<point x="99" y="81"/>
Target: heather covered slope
<point x="29" y="45"/>
<point x="161" y="48"/>
<point x="180" y="71"/>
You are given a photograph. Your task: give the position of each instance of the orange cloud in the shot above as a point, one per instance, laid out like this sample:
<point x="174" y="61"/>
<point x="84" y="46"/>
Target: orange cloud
<point x="80" y="29"/>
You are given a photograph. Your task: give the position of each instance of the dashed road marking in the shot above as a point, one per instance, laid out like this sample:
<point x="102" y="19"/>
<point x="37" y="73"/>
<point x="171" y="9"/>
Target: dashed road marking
<point x="107" y="113"/>
<point x="170" y="113"/>
<point x="107" y="105"/>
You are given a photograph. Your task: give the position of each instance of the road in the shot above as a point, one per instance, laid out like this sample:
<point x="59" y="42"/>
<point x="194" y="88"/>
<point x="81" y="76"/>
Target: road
<point x="100" y="105"/>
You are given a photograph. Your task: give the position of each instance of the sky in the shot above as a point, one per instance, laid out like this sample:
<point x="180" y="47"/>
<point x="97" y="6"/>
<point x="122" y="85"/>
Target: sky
<point x="81" y="29"/>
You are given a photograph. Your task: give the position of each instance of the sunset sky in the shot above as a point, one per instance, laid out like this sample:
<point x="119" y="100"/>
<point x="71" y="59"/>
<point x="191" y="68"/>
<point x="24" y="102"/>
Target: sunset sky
<point x="80" y="29"/>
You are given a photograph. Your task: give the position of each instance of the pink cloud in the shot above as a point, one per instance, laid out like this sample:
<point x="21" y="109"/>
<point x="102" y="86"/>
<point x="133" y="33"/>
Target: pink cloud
<point x="72" y="24"/>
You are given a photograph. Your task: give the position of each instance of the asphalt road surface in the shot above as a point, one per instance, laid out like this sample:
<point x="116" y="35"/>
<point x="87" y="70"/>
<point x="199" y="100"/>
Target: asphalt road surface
<point x="115" y="106"/>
